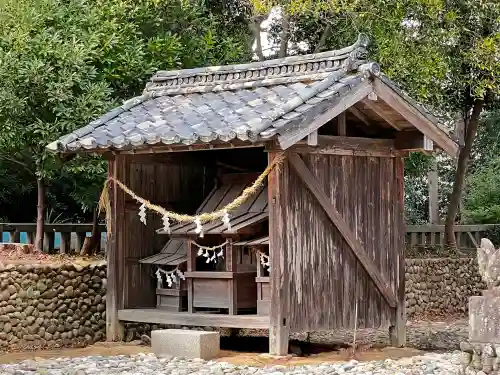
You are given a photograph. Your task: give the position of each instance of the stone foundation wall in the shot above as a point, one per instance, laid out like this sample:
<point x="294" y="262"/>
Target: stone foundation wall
<point x="45" y="306"/>
<point x="441" y="286"/>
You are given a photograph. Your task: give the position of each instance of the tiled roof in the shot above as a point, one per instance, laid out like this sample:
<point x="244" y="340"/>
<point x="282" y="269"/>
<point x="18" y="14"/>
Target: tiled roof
<point x="249" y="102"/>
<point x="246" y="101"/>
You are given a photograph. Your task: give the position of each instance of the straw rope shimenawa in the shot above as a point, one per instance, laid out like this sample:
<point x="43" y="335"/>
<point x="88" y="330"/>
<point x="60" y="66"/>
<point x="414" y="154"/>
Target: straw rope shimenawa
<point x="105" y="205"/>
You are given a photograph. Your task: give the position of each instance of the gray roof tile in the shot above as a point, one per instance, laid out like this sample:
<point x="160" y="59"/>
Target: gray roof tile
<point x="245" y="101"/>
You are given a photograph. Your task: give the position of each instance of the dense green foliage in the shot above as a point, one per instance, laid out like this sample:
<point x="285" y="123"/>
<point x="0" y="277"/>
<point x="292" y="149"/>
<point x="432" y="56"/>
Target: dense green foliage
<point x="482" y="201"/>
<point x="63" y="63"/>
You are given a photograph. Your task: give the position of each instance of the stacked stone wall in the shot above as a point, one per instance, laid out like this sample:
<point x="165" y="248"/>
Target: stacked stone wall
<point x="47" y="306"/>
<point x="441" y="286"/>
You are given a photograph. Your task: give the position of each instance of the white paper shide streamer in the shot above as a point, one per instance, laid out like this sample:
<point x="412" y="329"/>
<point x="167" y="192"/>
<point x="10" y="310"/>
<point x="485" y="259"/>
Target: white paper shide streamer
<point x="226" y="220"/>
<point x="166" y="224"/>
<point x="199" y="227"/>
<point x="142" y="213"/>
<point x="264" y="260"/>
<point x="171" y="277"/>
<point x="211" y="253"/>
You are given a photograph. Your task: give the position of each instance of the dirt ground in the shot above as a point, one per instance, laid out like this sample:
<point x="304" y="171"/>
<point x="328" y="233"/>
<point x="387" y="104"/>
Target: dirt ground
<point x="421" y="336"/>
<point x="236" y="358"/>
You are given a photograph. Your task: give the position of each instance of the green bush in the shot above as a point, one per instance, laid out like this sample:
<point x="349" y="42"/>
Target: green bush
<point x="482" y="199"/>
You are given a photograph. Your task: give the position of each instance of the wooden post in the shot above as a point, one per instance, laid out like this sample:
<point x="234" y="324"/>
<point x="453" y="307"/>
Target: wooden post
<point x="14" y="236"/>
<point x="279" y="325"/>
<point x="114" y="329"/>
<point x="48" y="242"/>
<point x="341" y="124"/>
<point x="80" y="239"/>
<point x="231" y="264"/>
<point x="30" y="238"/>
<point x="397" y="330"/>
<point x="432" y="176"/>
<point x="65" y="243"/>
<point x="191" y="266"/>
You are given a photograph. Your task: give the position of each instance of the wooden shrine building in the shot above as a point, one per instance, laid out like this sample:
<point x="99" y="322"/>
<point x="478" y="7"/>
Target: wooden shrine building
<point x="318" y="246"/>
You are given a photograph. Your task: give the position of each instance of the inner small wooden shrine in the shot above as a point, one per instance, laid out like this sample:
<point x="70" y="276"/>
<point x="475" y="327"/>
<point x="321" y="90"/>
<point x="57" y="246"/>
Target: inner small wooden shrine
<point x="266" y="195"/>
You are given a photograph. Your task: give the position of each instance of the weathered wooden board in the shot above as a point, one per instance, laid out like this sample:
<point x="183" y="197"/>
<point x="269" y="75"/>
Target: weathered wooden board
<point x="159" y="316"/>
<point x="178" y="186"/>
<point x="325" y="280"/>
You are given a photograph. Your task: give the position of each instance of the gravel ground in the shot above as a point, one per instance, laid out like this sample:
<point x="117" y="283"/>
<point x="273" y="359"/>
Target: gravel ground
<point x="143" y="364"/>
<point x="442" y="336"/>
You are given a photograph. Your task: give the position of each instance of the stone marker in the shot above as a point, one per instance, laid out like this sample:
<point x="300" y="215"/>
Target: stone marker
<point x="481" y="355"/>
<point x="185" y="343"/>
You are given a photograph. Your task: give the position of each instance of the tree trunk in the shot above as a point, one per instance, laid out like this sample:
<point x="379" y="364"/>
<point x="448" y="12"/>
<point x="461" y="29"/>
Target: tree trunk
<point x="322" y="39"/>
<point x="40" y="214"/>
<point x="462" y="165"/>
<point x="91" y="243"/>
<point x="255" y="27"/>
<point x="284" y="36"/>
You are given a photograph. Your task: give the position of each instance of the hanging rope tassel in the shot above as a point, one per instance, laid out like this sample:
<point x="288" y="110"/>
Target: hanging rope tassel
<point x="105" y="205"/>
<point x="222" y="214"/>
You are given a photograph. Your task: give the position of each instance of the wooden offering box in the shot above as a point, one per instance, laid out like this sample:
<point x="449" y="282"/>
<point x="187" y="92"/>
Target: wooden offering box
<point x="172" y="256"/>
<point x="232" y="289"/>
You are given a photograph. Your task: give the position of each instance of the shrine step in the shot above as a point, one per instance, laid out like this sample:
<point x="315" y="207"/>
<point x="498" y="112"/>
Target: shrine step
<point x="186" y="343"/>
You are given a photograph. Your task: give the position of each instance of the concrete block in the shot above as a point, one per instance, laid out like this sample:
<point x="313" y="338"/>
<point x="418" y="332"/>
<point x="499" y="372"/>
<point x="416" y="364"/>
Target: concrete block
<point x="484" y="319"/>
<point x="186" y="343"/>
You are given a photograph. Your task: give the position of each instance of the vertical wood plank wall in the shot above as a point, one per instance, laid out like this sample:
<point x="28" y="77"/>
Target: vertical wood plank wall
<point x="169" y="184"/>
<point x="324" y="278"/>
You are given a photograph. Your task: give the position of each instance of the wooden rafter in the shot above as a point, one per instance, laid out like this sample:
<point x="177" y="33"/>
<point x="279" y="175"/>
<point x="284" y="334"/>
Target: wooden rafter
<point x="360" y="116"/>
<point x="415" y="117"/>
<point x="339" y="105"/>
<point x="357" y="248"/>
<point x="371" y="104"/>
<point x="342" y="124"/>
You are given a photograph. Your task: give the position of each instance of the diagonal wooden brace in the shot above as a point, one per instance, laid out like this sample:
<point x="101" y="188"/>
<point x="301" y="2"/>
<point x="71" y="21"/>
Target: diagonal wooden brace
<point x="357" y="248"/>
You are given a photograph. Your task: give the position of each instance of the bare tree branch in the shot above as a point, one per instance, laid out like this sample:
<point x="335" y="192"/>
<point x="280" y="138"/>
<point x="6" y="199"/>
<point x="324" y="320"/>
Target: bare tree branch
<point x="14" y="161"/>
<point x="322" y="39"/>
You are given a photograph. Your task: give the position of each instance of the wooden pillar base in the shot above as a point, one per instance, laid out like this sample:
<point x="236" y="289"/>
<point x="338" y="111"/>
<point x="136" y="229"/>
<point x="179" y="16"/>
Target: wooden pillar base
<point x="278" y="340"/>
<point x="397" y="331"/>
<point x="115" y="332"/>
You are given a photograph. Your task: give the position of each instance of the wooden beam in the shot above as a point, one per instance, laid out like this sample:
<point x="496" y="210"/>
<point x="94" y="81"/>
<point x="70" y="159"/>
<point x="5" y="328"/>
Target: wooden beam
<point x="114" y="329"/>
<point x="231" y="266"/>
<point x="351" y="146"/>
<point x="371" y="104"/>
<point x="339" y="105"/>
<point x="360" y="115"/>
<point x="279" y="327"/>
<point x="397" y="329"/>
<point x="191" y="267"/>
<point x="413" y="141"/>
<point x="432" y="177"/>
<point x="159" y="316"/>
<point x="313" y="185"/>
<point x="415" y="117"/>
<point x="342" y="124"/>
